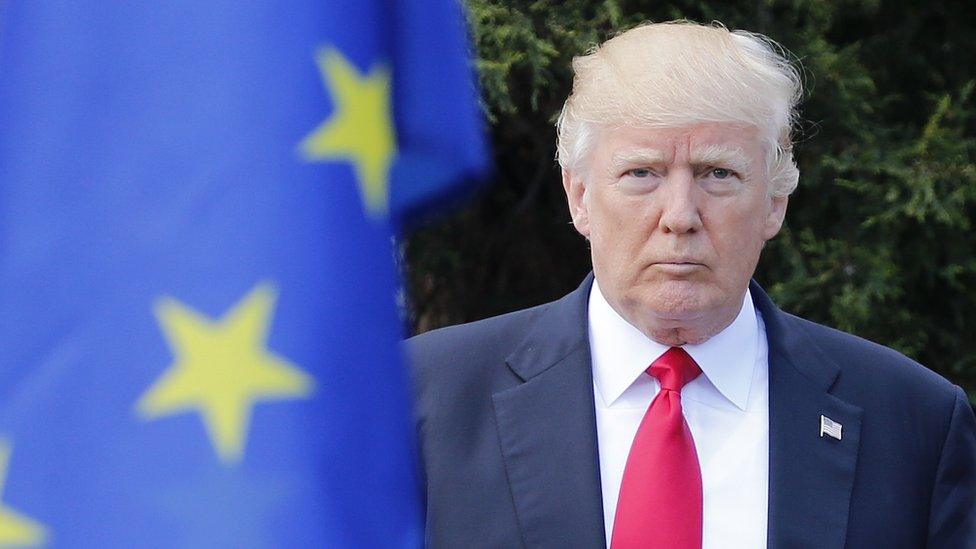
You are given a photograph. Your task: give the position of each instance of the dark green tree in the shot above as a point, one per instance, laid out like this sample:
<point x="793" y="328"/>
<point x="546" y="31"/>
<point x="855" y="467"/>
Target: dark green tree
<point x="878" y="239"/>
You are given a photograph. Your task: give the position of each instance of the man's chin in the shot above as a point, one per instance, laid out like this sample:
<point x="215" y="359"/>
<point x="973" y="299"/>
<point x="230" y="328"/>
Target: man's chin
<point x="676" y="300"/>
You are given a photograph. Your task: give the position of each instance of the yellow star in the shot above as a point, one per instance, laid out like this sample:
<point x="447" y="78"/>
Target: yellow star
<point x="360" y="130"/>
<point x="222" y="369"/>
<point x="15" y="529"/>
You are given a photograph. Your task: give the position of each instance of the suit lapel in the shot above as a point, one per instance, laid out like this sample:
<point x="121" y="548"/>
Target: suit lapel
<point x="810" y="476"/>
<point x="547" y="430"/>
<point x="547" y="434"/>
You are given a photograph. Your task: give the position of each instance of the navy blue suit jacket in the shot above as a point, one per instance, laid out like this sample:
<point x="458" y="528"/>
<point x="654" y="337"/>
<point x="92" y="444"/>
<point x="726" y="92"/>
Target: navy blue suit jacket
<point x="507" y="430"/>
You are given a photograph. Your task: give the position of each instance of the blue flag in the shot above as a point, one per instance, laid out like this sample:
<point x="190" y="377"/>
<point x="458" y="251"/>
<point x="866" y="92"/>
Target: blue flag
<point x="198" y="331"/>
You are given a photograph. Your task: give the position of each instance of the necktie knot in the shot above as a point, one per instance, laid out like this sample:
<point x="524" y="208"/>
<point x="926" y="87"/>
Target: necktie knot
<point x="674" y="369"/>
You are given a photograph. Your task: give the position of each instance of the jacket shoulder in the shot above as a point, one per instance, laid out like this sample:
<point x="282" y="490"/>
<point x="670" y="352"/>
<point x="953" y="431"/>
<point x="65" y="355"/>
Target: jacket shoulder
<point x="490" y="338"/>
<point x="874" y="364"/>
<point x="466" y="363"/>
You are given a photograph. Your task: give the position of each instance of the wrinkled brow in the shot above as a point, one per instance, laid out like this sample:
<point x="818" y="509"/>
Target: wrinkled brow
<point x="717" y="156"/>
<point x="637" y="157"/>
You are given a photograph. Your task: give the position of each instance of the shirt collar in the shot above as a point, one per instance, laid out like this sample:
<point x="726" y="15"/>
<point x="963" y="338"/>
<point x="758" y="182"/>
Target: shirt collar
<point x="621" y="353"/>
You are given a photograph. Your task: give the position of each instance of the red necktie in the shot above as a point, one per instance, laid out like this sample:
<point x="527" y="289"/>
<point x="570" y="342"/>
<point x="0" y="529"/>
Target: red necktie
<point x="660" y="502"/>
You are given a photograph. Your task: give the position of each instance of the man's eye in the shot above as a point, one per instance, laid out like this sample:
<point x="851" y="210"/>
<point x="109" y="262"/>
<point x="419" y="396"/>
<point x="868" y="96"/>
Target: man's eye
<point x="722" y="173"/>
<point x="639" y="172"/>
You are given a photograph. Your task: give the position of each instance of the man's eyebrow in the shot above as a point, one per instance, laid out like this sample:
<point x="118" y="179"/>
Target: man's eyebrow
<point x="719" y="156"/>
<point x="632" y="157"/>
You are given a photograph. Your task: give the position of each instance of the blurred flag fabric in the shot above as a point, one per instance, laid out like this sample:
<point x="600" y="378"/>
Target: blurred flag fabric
<point x="198" y="331"/>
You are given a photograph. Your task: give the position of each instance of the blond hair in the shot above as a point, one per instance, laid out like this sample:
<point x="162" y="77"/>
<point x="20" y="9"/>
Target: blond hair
<point x="666" y="75"/>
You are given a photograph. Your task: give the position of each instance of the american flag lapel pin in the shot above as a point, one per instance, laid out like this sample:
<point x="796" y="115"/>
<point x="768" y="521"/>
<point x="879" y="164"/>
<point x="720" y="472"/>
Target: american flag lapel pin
<point x="830" y="427"/>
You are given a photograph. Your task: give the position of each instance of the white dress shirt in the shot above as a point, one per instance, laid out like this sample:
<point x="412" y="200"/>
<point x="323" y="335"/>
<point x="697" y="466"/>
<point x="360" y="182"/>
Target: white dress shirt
<point x="726" y="408"/>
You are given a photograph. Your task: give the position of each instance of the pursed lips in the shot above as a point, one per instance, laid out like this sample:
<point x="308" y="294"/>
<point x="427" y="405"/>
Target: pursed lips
<point x="678" y="261"/>
<point x="678" y="266"/>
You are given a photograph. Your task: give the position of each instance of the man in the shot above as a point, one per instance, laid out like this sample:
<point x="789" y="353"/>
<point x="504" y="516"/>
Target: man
<point x="667" y="402"/>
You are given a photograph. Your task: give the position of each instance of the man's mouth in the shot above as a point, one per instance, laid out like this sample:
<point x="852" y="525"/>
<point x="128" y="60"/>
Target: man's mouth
<point x="678" y="267"/>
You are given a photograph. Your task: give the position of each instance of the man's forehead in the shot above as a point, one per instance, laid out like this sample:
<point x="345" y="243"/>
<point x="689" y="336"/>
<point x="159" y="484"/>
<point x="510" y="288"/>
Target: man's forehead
<point x="668" y="138"/>
<point x="704" y="152"/>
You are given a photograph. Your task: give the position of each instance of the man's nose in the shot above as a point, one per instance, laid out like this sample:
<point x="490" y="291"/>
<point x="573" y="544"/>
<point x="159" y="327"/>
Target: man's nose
<point x="680" y="209"/>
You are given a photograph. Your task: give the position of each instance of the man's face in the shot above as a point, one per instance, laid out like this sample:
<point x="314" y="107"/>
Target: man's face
<point x="676" y="219"/>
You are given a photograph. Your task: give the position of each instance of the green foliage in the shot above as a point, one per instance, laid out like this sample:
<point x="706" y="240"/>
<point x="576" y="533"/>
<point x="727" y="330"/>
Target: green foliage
<point x="878" y="236"/>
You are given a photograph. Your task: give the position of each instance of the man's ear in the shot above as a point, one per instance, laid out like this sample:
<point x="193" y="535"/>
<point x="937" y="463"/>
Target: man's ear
<point x="775" y="217"/>
<point x="575" y="191"/>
